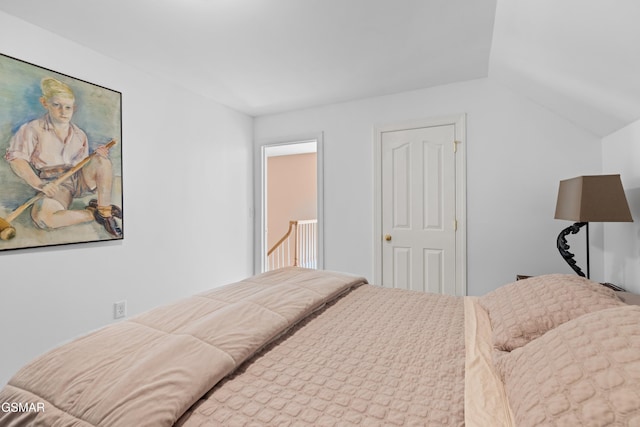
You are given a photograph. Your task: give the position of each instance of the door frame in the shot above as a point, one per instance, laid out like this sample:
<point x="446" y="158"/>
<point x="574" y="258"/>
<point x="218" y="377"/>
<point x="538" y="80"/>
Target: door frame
<point x="260" y="185"/>
<point x="459" y="123"/>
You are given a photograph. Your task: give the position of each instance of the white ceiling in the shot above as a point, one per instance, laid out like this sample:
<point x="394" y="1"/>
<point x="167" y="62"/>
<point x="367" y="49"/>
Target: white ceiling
<point x="579" y="58"/>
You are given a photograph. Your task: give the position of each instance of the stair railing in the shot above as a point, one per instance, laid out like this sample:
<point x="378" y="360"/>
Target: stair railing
<point x="298" y="246"/>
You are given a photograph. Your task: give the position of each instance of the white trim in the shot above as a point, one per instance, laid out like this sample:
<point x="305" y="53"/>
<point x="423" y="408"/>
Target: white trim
<point x="278" y="147"/>
<point x="302" y="147"/>
<point x="459" y="122"/>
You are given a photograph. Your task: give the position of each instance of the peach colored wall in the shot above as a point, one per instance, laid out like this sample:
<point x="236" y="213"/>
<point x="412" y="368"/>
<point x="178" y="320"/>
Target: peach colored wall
<point x="291" y="192"/>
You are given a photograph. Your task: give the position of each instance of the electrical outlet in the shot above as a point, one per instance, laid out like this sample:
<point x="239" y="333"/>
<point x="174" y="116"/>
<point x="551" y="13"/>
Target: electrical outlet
<point x="119" y="309"/>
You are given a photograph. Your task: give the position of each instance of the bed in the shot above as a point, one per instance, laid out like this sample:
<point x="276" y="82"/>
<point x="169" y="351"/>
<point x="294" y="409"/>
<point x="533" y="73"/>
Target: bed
<point x="305" y="347"/>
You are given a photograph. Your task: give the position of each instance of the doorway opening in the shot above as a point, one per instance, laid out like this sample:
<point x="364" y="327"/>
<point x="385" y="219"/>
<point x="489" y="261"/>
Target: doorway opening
<point x="291" y="205"/>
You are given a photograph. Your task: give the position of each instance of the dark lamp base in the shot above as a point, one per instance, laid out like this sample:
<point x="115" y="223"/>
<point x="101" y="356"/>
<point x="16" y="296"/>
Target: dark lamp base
<point x="563" y="247"/>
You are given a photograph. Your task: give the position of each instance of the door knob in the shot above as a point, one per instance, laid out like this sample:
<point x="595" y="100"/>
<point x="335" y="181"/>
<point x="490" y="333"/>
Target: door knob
<point x="387" y="237"/>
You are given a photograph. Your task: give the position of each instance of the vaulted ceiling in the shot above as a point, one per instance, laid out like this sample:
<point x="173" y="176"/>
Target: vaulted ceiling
<point x="579" y="58"/>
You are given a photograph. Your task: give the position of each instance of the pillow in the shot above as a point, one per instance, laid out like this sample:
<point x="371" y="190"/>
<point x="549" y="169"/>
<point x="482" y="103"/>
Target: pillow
<point x="524" y="310"/>
<point x="584" y="372"/>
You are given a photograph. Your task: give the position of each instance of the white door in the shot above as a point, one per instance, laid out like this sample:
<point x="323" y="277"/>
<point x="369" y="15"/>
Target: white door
<point x="418" y="198"/>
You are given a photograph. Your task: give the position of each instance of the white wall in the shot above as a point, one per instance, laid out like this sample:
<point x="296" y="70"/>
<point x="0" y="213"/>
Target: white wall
<point x="621" y="155"/>
<point x="517" y="152"/>
<point x="187" y="171"/>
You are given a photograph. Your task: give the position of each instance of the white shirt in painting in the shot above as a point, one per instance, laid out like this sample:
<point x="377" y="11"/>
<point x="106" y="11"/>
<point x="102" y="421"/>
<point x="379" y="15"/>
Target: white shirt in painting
<point x="38" y="143"/>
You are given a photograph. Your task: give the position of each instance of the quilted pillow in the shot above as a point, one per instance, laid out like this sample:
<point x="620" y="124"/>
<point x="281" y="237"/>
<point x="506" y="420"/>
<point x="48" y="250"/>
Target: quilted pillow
<point x="524" y="310"/>
<point x="584" y="372"/>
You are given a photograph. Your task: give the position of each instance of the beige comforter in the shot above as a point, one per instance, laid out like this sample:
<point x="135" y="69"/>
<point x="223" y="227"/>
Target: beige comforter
<point x="149" y="370"/>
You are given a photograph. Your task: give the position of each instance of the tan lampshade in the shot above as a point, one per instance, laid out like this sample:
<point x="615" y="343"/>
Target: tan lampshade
<point x="595" y="198"/>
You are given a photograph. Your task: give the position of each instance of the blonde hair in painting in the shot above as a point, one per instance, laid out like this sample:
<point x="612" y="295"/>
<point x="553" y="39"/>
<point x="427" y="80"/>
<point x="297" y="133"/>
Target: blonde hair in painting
<point x="52" y="87"/>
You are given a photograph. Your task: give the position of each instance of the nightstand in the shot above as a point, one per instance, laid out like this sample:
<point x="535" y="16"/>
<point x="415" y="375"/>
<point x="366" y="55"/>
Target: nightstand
<point x="629" y="298"/>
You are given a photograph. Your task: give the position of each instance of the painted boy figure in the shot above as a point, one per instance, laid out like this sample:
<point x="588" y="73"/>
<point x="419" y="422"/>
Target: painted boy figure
<point x="45" y="148"/>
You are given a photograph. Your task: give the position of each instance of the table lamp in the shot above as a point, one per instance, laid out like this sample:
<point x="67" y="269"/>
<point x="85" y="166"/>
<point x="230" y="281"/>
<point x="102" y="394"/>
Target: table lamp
<point x="585" y="199"/>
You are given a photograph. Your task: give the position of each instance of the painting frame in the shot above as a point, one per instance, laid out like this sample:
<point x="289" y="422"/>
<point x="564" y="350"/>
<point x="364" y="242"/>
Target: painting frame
<point x="68" y="131"/>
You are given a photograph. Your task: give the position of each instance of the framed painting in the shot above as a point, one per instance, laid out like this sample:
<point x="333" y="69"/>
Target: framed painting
<point x="60" y="158"/>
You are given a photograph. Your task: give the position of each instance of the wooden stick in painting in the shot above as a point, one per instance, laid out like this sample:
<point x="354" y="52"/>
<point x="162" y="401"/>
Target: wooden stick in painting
<point x="7" y="231"/>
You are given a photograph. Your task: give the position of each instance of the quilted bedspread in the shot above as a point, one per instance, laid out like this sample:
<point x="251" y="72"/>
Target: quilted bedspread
<point x="375" y="357"/>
